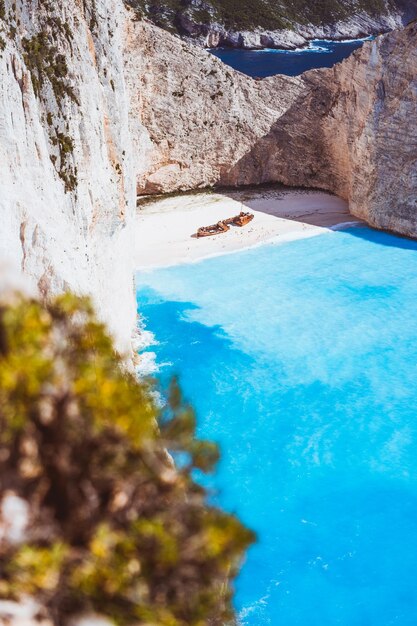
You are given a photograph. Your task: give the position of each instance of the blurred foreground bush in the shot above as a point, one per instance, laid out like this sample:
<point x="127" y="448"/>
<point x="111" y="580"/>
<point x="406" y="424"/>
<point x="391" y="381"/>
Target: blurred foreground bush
<point x="112" y="526"/>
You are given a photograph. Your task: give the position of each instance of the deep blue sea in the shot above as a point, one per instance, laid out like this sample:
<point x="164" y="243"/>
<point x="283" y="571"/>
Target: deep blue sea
<point x="301" y="360"/>
<point x="262" y="63"/>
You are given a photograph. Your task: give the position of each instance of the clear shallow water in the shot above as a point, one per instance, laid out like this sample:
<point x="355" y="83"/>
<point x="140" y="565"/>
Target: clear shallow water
<point x="262" y="63"/>
<point x="301" y="360"/>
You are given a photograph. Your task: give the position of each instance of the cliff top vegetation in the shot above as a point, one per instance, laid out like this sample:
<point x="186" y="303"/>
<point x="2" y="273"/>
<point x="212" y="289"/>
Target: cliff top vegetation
<point x="249" y="14"/>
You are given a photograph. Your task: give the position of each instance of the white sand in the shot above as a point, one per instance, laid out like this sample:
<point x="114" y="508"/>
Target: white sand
<point x="164" y="227"/>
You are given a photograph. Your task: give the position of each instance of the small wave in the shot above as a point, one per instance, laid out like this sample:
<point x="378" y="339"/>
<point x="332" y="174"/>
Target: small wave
<point x="363" y="39"/>
<point x="331" y="41"/>
<point x="253" y="608"/>
<point x="345" y="225"/>
<point x="147" y="364"/>
<point x="144" y="338"/>
<point x="319" y="50"/>
<point x="147" y="361"/>
<point x="304" y="50"/>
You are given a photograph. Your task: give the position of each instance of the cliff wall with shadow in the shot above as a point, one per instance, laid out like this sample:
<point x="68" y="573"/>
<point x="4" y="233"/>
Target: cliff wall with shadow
<point x="350" y="129"/>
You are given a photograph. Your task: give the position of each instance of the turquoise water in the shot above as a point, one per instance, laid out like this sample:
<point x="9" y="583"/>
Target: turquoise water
<point x="262" y="63"/>
<point x="301" y="360"/>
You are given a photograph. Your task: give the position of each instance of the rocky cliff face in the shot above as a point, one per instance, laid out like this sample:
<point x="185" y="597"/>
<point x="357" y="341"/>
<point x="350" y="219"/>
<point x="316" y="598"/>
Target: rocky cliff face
<point x="67" y="186"/>
<point x="360" y="24"/>
<point x="93" y="101"/>
<point x="200" y="116"/>
<point x="256" y="24"/>
<point x="349" y="129"/>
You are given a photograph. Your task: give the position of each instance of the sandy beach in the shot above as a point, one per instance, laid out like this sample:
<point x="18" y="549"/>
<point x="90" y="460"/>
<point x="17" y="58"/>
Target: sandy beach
<point x="165" y="228"/>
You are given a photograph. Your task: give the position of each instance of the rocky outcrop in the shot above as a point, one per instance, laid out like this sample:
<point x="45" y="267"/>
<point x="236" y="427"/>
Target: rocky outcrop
<point x="257" y="39"/>
<point x="67" y="187"/>
<point x="352" y="131"/>
<point x="349" y="129"/>
<point x="359" y="25"/>
<point x="201" y="117"/>
<point x="257" y="24"/>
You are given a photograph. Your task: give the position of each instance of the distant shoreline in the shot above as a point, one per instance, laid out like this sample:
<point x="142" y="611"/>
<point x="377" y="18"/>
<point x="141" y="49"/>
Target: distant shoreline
<point x="301" y="48"/>
<point x="262" y="63"/>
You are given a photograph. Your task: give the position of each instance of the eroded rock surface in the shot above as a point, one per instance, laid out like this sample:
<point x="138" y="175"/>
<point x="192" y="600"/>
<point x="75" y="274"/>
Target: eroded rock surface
<point x="352" y="131"/>
<point x="349" y="129"/>
<point x="256" y="24"/>
<point x="359" y="25"/>
<point x="67" y="186"/>
<point x="201" y="116"/>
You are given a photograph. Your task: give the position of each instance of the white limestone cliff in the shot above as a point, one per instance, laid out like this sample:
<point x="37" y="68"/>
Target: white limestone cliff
<point x="201" y="117"/>
<point x="349" y="129"/>
<point x="126" y="107"/>
<point x="77" y="238"/>
<point x="357" y="22"/>
<point x="96" y="105"/>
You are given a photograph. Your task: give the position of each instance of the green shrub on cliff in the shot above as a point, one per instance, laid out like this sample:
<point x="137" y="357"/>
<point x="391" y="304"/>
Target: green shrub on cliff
<point x="113" y="526"/>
